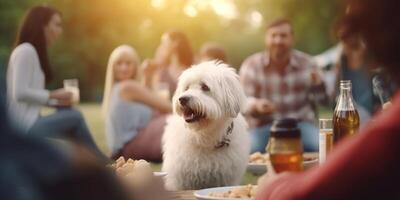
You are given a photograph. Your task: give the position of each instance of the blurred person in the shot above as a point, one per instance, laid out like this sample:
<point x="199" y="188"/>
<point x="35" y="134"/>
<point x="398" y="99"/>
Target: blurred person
<point x="173" y="56"/>
<point x="327" y="61"/>
<point x="355" y="64"/>
<point x="281" y="83"/>
<point x="365" y="166"/>
<point x="134" y="115"/>
<point x="33" y="168"/>
<point x="212" y="51"/>
<point x="28" y="73"/>
<point x="384" y="87"/>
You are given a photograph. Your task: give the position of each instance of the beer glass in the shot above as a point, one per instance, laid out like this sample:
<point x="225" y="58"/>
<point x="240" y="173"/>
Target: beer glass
<point x="72" y="86"/>
<point x="163" y="91"/>
<point x="325" y="138"/>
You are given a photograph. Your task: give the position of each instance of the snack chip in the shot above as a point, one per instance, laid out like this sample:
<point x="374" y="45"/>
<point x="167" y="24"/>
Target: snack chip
<point x="248" y="192"/>
<point x="258" y="158"/>
<point x="135" y="173"/>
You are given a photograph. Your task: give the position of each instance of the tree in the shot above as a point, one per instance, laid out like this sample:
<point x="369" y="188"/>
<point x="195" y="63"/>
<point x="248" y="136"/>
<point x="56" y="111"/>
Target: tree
<point x="93" y="28"/>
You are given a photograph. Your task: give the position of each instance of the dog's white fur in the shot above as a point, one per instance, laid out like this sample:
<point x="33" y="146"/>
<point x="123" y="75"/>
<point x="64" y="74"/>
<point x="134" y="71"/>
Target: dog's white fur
<point x="190" y="157"/>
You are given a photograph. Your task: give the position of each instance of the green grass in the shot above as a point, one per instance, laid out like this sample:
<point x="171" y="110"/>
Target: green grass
<point x="325" y="112"/>
<point x="92" y="114"/>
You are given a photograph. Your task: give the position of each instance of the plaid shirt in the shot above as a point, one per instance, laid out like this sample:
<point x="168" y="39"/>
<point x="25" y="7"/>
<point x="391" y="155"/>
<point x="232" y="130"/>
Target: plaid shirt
<point x="292" y="93"/>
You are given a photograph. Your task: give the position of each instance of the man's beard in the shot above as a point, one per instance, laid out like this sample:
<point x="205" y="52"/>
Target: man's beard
<point x="278" y="53"/>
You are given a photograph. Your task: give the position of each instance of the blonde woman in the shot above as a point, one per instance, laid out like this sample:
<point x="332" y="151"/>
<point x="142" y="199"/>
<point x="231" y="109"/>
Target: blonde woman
<point x="135" y="117"/>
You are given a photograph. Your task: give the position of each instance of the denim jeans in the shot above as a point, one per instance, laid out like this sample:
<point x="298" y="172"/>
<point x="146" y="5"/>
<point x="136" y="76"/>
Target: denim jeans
<point x="66" y="123"/>
<point x="309" y="136"/>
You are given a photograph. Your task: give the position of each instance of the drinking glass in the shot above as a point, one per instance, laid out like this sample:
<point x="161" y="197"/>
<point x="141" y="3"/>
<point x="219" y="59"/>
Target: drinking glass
<point x="163" y="91"/>
<point x="325" y="138"/>
<point x="72" y="86"/>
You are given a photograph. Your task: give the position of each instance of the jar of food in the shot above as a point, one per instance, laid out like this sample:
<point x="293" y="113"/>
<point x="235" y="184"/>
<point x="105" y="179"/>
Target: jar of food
<point x="285" y="146"/>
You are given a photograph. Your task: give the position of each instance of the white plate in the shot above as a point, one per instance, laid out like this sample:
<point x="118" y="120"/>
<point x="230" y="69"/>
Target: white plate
<point x="160" y="174"/>
<point x="204" y="193"/>
<point x="310" y="163"/>
<point x="256" y="168"/>
<point x="259" y="169"/>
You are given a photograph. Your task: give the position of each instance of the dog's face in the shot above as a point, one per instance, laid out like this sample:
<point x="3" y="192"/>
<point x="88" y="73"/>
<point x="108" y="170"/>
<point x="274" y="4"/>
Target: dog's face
<point x="208" y="91"/>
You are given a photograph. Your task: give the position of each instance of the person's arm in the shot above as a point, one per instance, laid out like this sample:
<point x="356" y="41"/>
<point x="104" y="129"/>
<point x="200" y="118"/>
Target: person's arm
<point x="132" y="91"/>
<point x="255" y="106"/>
<point x="23" y="66"/>
<point x="155" y="82"/>
<point x="150" y="69"/>
<point x="318" y="89"/>
<point x="364" y="166"/>
<point x="381" y="89"/>
<point x="247" y="76"/>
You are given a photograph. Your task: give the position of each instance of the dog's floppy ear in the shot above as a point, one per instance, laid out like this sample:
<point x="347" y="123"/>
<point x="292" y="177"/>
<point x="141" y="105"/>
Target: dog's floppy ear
<point x="234" y="97"/>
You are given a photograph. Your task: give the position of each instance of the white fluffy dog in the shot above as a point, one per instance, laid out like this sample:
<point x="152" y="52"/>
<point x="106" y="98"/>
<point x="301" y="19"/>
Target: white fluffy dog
<point x="206" y="143"/>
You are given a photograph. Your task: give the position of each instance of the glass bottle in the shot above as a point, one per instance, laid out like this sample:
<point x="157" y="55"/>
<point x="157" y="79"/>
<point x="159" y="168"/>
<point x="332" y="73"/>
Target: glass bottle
<point x="285" y="147"/>
<point x="346" y="120"/>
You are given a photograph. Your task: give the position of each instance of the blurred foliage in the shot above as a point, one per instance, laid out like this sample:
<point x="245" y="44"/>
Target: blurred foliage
<point x="92" y="28"/>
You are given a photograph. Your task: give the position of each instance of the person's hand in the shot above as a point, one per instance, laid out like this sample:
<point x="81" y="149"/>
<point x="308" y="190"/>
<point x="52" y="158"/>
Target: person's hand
<point x="63" y="97"/>
<point x="163" y="54"/>
<point x="268" y="178"/>
<point x="149" y="67"/>
<point x="155" y="190"/>
<point x="264" y="106"/>
<point x="315" y="78"/>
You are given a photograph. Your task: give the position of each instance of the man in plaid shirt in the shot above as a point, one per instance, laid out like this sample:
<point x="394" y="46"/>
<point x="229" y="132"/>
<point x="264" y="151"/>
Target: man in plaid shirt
<point x="281" y="83"/>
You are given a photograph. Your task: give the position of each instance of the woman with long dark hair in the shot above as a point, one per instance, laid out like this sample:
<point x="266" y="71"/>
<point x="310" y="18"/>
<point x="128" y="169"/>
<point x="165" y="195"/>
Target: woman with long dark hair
<point x="28" y="73"/>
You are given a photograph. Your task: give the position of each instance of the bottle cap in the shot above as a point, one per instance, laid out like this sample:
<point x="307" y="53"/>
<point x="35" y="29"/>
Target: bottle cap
<point x="346" y="84"/>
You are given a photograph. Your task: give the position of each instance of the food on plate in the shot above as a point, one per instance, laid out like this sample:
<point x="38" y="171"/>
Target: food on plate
<point x="135" y="173"/>
<point x="138" y="179"/>
<point x="248" y="191"/>
<point x="260" y="158"/>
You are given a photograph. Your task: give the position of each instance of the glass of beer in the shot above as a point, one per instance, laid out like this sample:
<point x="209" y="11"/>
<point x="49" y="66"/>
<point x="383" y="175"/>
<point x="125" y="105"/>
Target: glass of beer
<point x="163" y="91"/>
<point x="72" y="86"/>
<point x="325" y="138"/>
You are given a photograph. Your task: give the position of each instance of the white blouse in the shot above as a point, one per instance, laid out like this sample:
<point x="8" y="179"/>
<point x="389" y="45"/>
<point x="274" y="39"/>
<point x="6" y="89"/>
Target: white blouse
<point x="26" y="91"/>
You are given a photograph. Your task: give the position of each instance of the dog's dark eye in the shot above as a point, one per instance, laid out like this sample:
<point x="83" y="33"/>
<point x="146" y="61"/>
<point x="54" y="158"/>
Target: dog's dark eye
<point x="204" y="87"/>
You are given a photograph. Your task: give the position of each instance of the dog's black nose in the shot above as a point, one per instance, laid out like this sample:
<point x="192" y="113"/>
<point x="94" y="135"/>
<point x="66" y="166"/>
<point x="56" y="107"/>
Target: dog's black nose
<point x="184" y="100"/>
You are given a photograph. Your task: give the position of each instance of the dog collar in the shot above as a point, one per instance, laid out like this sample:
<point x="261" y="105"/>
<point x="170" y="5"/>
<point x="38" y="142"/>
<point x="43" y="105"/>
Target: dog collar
<point x="225" y="140"/>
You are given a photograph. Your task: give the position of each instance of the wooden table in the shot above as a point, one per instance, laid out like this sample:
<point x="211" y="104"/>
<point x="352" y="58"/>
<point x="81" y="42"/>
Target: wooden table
<point x="182" y="195"/>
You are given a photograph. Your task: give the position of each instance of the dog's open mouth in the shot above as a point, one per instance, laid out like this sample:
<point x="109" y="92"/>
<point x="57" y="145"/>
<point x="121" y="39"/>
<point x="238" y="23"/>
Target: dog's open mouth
<point x="191" y="116"/>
